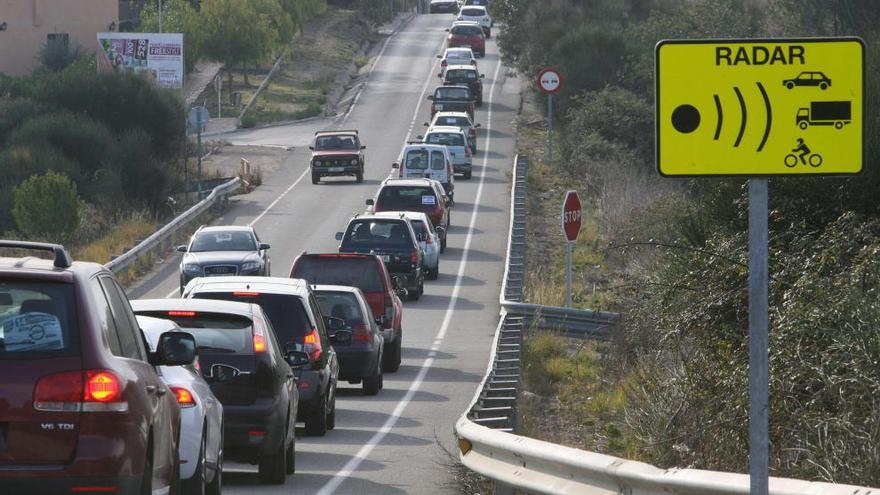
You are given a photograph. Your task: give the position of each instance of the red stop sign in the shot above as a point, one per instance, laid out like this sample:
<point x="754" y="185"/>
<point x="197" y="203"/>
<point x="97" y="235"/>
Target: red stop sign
<point x="571" y="215"/>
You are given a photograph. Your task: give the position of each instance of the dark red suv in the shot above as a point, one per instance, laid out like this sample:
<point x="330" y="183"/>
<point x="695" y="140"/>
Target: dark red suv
<point x="82" y="409"/>
<point x="469" y="34"/>
<point x="368" y="273"/>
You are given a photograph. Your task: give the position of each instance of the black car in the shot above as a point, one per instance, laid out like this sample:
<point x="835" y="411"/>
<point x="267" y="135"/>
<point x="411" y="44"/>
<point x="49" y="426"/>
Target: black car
<point x="464" y="75"/>
<point x="299" y="324"/>
<point x="443" y="6"/>
<point x="394" y="241"/>
<point x="249" y="374"/>
<point x="360" y="345"/>
<point x="223" y="251"/>
<point x="456" y="98"/>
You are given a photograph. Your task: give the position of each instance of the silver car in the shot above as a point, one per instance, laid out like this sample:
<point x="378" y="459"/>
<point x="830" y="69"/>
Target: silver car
<point x="428" y="237"/>
<point x="201" y="417"/>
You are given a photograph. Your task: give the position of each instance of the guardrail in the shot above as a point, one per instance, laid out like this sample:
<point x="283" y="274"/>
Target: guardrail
<point x="486" y="430"/>
<point x="164" y="237"/>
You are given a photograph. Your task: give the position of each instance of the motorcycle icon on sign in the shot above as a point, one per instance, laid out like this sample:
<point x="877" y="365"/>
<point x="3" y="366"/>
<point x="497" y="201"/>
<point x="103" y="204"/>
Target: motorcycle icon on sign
<point x="804" y="156"/>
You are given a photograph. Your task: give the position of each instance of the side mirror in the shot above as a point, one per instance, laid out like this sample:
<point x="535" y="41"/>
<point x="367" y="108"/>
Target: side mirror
<point x="441" y="231"/>
<point x="395" y="165"/>
<point x="223" y="372"/>
<point x="426" y="124"/>
<point x="447" y="30"/>
<point x="339" y="236"/>
<point x="312" y="148"/>
<point x="420" y="138"/>
<point x="363" y="147"/>
<point x="476" y="126"/>
<point x="334" y="324"/>
<point x="296" y="359"/>
<point x="482" y="76"/>
<point x="264" y="246"/>
<point x="181" y="249"/>
<point x="381" y="320"/>
<point x="369" y="202"/>
<point x="430" y="97"/>
<point x="342" y="337"/>
<point x="440" y="75"/>
<point x="439" y="56"/>
<point x="175" y="349"/>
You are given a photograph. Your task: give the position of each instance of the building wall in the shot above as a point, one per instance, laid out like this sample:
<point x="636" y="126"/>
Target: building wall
<point x="28" y="22"/>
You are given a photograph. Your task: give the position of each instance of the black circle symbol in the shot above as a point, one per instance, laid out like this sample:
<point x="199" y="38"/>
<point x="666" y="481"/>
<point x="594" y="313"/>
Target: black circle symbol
<point x="685" y="119"/>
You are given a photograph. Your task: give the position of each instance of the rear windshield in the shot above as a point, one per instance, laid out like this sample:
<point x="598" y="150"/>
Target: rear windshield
<point x="467" y="30"/>
<point x="377" y="232"/>
<point x="214" y="333"/>
<point x="417" y="159"/>
<point x="342" y="142"/>
<point x="403" y="197"/>
<point x="362" y="273"/>
<point x="223" y="241"/>
<point x="447" y="93"/>
<point x="438" y="161"/>
<point x="473" y="12"/>
<point x="340" y="305"/>
<point x="285" y="311"/>
<point x="37" y="320"/>
<point x="419" y="227"/>
<point x="457" y="75"/>
<point x="447" y="138"/>
<point x="453" y="121"/>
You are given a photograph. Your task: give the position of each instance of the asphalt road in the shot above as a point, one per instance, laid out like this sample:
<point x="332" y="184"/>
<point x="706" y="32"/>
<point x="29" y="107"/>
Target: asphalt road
<point x="395" y="442"/>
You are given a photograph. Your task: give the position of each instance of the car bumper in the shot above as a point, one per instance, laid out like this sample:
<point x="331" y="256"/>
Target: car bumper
<point x="462" y="167"/>
<point x="336" y="171"/>
<point x="265" y="415"/>
<point x="410" y="279"/>
<point x="309" y="384"/>
<point x="44" y="482"/>
<point x="356" y="365"/>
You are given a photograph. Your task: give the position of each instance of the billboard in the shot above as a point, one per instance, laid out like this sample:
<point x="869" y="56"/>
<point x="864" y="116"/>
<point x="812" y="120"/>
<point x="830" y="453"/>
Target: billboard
<point x="158" y="55"/>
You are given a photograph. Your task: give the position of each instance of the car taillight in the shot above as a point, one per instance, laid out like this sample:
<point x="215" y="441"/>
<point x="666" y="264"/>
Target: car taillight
<point x="86" y="391"/>
<point x="361" y="332"/>
<point x="182" y="313"/>
<point x="433" y="108"/>
<point x="312" y="345"/>
<point x="184" y="397"/>
<point x="414" y="256"/>
<point x="389" y="310"/>
<point x="472" y="131"/>
<point x="467" y="151"/>
<point x="443" y="64"/>
<point x="259" y="336"/>
<point x="245" y="294"/>
<point x="430" y="240"/>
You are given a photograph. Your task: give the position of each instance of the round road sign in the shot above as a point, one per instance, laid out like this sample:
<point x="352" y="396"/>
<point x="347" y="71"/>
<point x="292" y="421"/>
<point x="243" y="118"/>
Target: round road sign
<point x="571" y="216"/>
<point x="550" y="81"/>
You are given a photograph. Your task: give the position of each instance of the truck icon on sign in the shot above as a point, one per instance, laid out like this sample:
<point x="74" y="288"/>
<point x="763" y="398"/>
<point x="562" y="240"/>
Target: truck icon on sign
<point x="836" y="113"/>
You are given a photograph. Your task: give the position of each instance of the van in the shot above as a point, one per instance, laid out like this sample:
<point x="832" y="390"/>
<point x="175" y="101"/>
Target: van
<point x="427" y="161"/>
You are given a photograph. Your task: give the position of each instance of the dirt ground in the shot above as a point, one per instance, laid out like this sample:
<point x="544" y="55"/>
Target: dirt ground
<point x="226" y="160"/>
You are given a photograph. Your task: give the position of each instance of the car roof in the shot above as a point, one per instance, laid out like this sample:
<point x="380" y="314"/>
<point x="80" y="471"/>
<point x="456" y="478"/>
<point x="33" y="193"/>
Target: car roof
<point x="466" y="23"/>
<point x="446" y="128"/>
<point x="407" y="182"/>
<point x="226" y="228"/>
<point x="452" y="114"/>
<point x="336" y="288"/>
<point x="458" y="86"/>
<point x="428" y="146"/>
<point x="409" y="215"/>
<point x="460" y="67"/>
<point x="206" y="305"/>
<point x="270" y="285"/>
<point x="151" y="323"/>
<point x="460" y="49"/>
<point x="337" y="133"/>
<point x="474" y="7"/>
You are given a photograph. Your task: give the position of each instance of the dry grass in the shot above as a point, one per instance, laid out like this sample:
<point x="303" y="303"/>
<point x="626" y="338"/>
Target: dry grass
<point x="121" y="238"/>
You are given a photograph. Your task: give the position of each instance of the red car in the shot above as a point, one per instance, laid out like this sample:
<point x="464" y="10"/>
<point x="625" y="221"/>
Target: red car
<point x="468" y="34"/>
<point x="368" y="273"/>
<point x="424" y="195"/>
<point x="82" y="408"/>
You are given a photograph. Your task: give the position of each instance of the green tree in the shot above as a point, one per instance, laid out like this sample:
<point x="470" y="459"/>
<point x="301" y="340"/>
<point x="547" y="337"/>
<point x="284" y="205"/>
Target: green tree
<point x="178" y="16"/>
<point x="47" y="207"/>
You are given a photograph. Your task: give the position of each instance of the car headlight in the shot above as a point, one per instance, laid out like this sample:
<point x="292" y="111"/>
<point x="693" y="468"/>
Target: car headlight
<point x="354" y="162"/>
<point x="250" y="266"/>
<point x="191" y="269"/>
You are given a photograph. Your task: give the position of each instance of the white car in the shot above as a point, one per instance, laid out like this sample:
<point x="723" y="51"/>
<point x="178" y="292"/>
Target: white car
<point x="478" y="14"/>
<point x="429" y="239"/>
<point x="457" y="56"/>
<point x="457" y="141"/>
<point x="457" y="119"/>
<point x="201" y="417"/>
<point x="431" y="161"/>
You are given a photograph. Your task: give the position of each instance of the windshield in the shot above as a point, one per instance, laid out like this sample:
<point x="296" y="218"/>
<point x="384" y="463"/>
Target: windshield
<point x="452" y="93"/>
<point x="447" y="138"/>
<point x="473" y="12"/>
<point x="223" y="241"/>
<point x="285" y="312"/>
<point x="37" y="320"/>
<point x="467" y="30"/>
<point x="362" y="273"/>
<point x="214" y="332"/>
<point x="341" y="305"/>
<point x="456" y="75"/>
<point x="377" y="232"/>
<point x="403" y="197"/>
<point x="343" y="142"/>
<point x="416" y="160"/>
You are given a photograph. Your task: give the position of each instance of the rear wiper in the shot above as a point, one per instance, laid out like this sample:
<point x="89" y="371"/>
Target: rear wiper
<point x="214" y="349"/>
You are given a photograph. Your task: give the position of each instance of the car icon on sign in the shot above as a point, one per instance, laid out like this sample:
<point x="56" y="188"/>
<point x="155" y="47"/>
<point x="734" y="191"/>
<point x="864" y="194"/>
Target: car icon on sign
<point x="808" y="79"/>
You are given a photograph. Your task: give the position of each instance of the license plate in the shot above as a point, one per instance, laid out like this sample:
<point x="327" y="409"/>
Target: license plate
<point x="386" y="258"/>
<point x="439" y="107"/>
<point x="336" y="169"/>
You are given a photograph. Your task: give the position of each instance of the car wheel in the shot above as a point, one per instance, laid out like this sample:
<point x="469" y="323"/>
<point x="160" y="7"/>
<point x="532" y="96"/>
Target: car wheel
<point x="196" y="484"/>
<point x="316" y="178"/>
<point x="316" y="423"/>
<point x="467" y="174"/>
<point x="215" y="487"/>
<point x="373" y="383"/>
<point x="391" y="358"/>
<point x="331" y="416"/>
<point x="290" y="468"/>
<point x="823" y="86"/>
<point x="435" y="272"/>
<point x="416" y="294"/>
<point x="359" y="177"/>
<point x="488" y="33"/>
<point x="273" y="467"/>
<point x="443" y="244"/>
<point x="789" y="85"/>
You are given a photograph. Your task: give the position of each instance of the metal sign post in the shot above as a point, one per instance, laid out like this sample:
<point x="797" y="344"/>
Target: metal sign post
<point x="571" y="228"/>
<point x="550" y="81"/>
<point x="759" y="108"/>
<point x="197" y="118"/>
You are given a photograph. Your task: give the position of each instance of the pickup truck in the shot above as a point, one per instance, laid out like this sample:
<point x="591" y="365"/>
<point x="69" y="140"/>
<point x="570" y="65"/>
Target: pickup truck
<point x="455" y="98"/>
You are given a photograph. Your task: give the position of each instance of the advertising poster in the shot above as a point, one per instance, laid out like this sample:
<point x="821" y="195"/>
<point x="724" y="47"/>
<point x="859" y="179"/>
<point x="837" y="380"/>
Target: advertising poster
<point x="159" y="56"/>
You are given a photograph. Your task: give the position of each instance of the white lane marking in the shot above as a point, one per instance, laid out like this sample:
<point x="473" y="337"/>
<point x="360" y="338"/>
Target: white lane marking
<point x="352" y="465"/>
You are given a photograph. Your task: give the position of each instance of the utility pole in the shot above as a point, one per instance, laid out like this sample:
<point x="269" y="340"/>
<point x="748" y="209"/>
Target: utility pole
<point x="160" y="16"/>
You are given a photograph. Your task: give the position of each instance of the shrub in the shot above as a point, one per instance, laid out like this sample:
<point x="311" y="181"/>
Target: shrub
<point x="47" y="207"/>
<point x="248" y="121"/>
<point x="56" y="56"/>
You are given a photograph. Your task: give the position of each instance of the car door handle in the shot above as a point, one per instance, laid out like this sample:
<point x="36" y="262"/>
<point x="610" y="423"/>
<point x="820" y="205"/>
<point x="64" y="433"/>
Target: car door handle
<point x="151" y="389"/>
<point x="161" y="391"/>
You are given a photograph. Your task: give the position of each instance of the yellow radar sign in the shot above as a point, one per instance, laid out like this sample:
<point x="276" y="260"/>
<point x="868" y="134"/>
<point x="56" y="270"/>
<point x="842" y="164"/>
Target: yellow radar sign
<point x="760" y="107"/>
